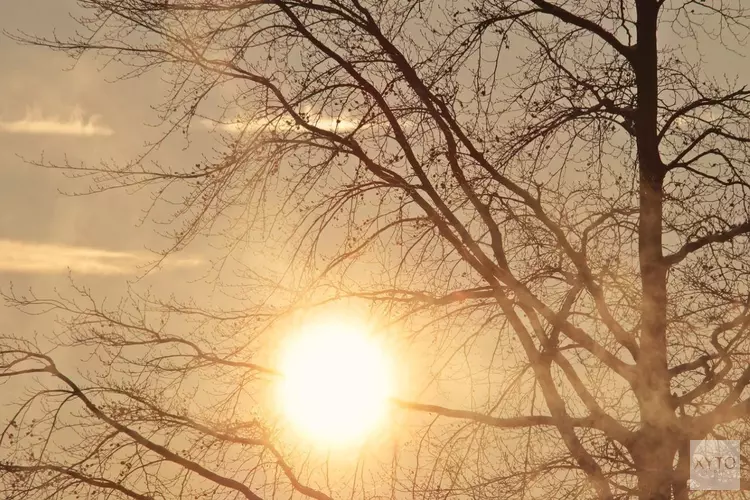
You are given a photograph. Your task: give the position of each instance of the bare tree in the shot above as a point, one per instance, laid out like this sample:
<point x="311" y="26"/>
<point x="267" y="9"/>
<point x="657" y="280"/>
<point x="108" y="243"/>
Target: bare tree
<point x="549" y="193"/>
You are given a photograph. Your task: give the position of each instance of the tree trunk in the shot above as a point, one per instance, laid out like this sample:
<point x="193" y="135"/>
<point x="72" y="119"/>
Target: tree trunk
<point x="653" y="454"/>
<point x="655" y="450"/>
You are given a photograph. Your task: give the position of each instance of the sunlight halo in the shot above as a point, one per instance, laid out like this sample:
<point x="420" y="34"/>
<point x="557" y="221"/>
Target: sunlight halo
<point x="336" y="382"/>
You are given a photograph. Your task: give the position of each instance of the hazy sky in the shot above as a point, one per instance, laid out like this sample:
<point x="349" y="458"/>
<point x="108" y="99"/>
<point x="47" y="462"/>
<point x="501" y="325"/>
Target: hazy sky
<point x="51" y="109"/>
<point x="54" y="109"/>
<point x="47" y="108"/>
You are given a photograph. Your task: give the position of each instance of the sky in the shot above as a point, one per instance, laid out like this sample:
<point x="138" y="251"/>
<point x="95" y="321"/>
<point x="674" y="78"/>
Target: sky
<point x="48" y="110"/>
<point x="52" y="109"/>
<point x="55" y="110"/>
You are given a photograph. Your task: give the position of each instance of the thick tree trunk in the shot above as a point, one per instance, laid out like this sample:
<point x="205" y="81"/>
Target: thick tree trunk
<point x="654" y="455"/>
<point x="655" y="450"/>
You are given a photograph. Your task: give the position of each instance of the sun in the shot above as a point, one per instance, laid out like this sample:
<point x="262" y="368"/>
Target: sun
<point x="336" y="382"/>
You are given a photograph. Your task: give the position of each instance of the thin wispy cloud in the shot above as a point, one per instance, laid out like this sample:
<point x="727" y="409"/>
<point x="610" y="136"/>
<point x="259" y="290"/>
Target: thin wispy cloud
<point x="707" y="115"/>
<point x="324" y="123"/>
<point x="34" y="122"/>
<point x="338" y="124"/>
<point x="285" y="123"/>
<point x="45" y="258"/>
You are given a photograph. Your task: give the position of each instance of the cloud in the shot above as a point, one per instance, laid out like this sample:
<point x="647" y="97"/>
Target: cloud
<point x="339" y="124"/>
<point x="285" y="123"/>
<point x="324" y="123"/>
<point x="36" y="123"/>
<point x="45" y="258"/>
<point x="708" y="115"/>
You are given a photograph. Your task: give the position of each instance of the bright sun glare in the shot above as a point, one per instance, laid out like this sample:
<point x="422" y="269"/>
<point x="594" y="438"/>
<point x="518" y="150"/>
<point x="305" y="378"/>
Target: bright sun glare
<point x="336" y="383"/>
